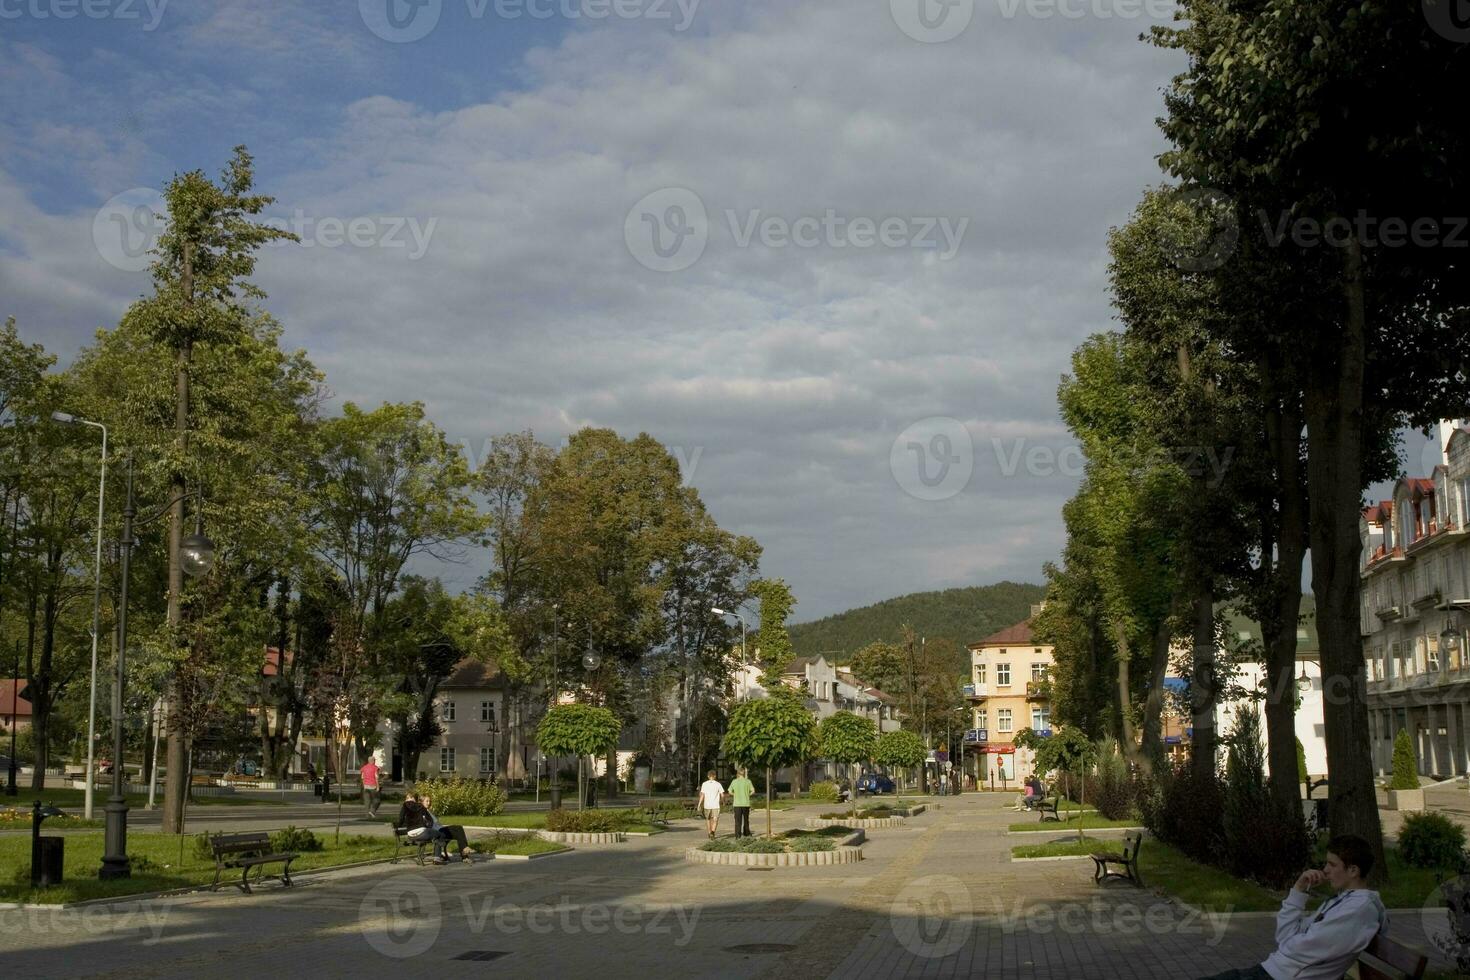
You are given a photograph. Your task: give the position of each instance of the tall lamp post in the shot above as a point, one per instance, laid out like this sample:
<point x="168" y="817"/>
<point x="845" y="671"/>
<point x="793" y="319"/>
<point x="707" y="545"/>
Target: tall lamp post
<point x="196" y="556"/>
<point x="64" y="418"/>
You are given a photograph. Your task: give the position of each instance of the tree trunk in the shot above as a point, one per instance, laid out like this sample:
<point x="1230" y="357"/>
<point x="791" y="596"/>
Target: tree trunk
<point x="1202" y="683"/>
<point x="612" y="771"/>
<point x="1334" y="409"/>
<point x="1123" y="692"/>
<point x="1151" y="744"/>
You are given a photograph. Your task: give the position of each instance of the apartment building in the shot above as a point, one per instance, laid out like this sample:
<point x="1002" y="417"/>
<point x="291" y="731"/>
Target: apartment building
<point x="1009" y="690"/>
<point x="1415" y="607"/>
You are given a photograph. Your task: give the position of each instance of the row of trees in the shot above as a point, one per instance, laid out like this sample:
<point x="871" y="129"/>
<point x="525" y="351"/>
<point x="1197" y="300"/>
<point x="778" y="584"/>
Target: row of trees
<point x="319" y="520"/>
<point x="1261" y="376"/>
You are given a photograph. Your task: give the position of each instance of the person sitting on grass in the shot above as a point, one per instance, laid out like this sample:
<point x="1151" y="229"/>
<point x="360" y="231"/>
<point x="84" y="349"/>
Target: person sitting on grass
<point x="1323" y="944"/>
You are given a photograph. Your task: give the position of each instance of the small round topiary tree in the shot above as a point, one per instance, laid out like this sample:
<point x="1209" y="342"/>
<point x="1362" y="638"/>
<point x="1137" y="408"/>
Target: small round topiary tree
<point x="900" y="749"/>
<point x="1405" y="767"/>
<point x="847" y="739"/>
<point x="577" y="729"/>
<point x="769" y="733"/>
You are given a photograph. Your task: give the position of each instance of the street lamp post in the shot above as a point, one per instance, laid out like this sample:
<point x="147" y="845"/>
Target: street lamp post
<point x="64" y="418"/>
<point x="196" y="556"/>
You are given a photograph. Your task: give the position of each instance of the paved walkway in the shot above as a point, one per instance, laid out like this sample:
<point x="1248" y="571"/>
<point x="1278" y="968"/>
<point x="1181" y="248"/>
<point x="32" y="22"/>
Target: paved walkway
<point x="939" y="898"/>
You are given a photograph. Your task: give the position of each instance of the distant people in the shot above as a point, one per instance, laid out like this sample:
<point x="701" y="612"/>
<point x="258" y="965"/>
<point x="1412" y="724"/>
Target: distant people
<point x="416" y="823"/>
<point x="1323" y="944"/>
<point x="443" y="834"/>
<point x="741" y="790"/>
<point x="371" y="798"/>
<point x="711" y="794"/>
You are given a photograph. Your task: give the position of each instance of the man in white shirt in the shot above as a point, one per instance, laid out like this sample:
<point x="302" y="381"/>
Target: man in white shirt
<point x="1322" y="945"/>
<point x="711" y="794"/>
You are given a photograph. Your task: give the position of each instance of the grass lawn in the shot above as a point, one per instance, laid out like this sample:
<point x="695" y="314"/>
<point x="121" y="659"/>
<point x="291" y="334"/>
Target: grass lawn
<point x="1208" y="887"/>
<point x="515" y="844"/>
<point x="76" y="798"/>
<point x="1086" y="821"/>
<point x="156" y="865"/>
<point x="536" y="820"/>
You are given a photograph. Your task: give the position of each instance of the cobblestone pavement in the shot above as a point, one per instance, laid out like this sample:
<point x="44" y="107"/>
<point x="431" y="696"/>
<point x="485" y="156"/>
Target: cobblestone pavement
<point x="939" y="898"/>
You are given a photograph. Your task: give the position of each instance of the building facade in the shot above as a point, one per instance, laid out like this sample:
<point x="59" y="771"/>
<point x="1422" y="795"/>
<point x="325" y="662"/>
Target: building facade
<point x="1415" y="607"/>
<point x="1009" y="690"/>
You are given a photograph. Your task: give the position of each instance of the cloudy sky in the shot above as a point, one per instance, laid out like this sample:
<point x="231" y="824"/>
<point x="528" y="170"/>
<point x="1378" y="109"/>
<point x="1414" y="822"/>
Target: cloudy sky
<point x="834" y="254"/>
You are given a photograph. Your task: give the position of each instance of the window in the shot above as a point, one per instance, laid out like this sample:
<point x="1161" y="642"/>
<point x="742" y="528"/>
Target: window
<point x="982" y="718"/>
<point x="1003" y="677"/>
<point x="1003" y="719"/>
<point x="487" y="712"/>
<point x="1431" y="654"/>
<point x="1040" y="718"/>
<point x="1406" y="528"/>
<point x="487" y="759"/>
<point x="1038" y="672"/>
<point x="446" y="711"/>
<point x="980" y="673"/>
<point x="446" y="760"/>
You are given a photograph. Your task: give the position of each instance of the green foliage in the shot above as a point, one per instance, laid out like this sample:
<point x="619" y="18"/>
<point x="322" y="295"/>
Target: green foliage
<point x="295" y="840"/>
<point x="846" y="738"/>
<point x="773" y="731"/>
<point x="592" y="821"/>
<point x="963" y="615"/>
<point x="721" y="845"/>
<point x="772" y="637"/>
<point x="824" y="792"/>
<point x="462" y="797"/>
<point x="899" y="748"/>
<point x="1432" y="840"/>
<point x="761" y="845"/>
<point x="1405" y="767"/>
<point x="808" y="843"/>
<point x="577" y="729"/>
<point x="1114" y="792"/>
<point x="1301" y="762"/>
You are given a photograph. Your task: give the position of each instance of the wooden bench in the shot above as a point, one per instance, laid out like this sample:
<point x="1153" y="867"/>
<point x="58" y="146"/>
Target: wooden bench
<point x="1128" y="860"/>
<point x="1385" y="959"/>
<point x="657" y="810"/>
<point x="402" y="840"/>
<point x="1045" y="807"/>
<point x="246" y="851"/>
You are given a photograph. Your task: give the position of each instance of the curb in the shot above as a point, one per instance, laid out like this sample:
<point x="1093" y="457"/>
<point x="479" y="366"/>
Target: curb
<point x="570" y="837"/>
<point x="1064" y="829"/>
<point x="1057" y="857"/>
<point x="846" y="852"/>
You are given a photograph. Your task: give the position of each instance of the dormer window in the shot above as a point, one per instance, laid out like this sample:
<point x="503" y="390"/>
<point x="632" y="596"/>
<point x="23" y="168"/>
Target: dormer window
<point x="1406" y="528"/>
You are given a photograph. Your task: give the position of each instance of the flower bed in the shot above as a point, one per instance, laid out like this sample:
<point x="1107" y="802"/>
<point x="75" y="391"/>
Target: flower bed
<point x="837" y="845"/>
<point x="869" y="817"/>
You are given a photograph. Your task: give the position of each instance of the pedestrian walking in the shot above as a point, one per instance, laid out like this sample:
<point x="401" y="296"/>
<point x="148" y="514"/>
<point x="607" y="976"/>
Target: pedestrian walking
<point x="710" y="795"/>
<point x="740" y="792"/>
<point x="371" y="797"/>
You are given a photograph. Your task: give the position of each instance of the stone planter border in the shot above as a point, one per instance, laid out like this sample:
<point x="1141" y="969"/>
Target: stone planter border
<point x="846" y="852"/>
<point x="868" y="823"/>
<point x="569" y="837"/>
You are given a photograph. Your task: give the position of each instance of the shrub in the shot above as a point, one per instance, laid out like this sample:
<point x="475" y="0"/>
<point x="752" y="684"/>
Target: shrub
<point x="294" y="839"/>
<point x="824" y="792"/>
<point x="761" y="845"/>
<point x="201" y="848"/>
<point x="1432" y="840"/>
<point x="722" y="845"/>
<point x="1113" y="790"/>
<point x="1183" y="809"/>
<point x="663" y="785"/>
<point x="463" y="797"/>
<point x="1405" y="768"/>
<point x="592" y="821"/>
<point x="811" y="842"/>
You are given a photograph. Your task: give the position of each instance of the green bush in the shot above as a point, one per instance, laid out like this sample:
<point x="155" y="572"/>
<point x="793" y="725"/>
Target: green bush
<point x="297" y="840"/>
<point x="1262" y="840"/>
<point x="463" y="797"/>
<point x="811" y="842"/>
<point x="1405" y="768"/>
<point x="824" y="792"/>
<point x="761" y="845"/>
<point x="1112" y="790"/>
<point x="592" y="821"/>
<point x="1183" y="809"/>
<point x="1432" y="840"/>
<point x="723" y="845"/>
<point x="201" y="848"/>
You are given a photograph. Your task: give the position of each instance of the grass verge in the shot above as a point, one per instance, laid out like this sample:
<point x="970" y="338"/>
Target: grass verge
<point x="535" y="820"/>
<point x="1089" y="821"/>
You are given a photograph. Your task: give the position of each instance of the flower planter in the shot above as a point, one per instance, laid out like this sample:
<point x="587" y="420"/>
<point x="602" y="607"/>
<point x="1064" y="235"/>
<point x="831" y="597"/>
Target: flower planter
<point x="1409" y="800"/>
<point x="867" y="823"/>
<point x="570" y="837"/>
<point x="848" y="849"/>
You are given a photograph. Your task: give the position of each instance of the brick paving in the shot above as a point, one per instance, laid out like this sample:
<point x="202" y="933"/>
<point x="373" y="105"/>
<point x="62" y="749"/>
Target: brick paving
<point x="937" y="899"/>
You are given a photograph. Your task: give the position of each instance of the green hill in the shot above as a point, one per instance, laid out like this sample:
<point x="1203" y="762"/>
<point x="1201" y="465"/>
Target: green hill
<point x="959" y="615"/>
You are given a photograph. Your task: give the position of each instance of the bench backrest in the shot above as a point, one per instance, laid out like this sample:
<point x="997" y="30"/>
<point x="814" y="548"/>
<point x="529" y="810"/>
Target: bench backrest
<point x="1400" y="959"/>
<point x="1131" y="840"/>
<point x="257" y="840"/>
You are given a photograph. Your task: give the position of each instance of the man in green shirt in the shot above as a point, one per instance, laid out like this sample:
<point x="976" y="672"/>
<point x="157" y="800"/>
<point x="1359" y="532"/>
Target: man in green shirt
<point x="740" y="791"/>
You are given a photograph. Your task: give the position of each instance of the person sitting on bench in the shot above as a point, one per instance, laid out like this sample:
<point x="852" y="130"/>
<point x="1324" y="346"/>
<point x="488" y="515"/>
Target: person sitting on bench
<point x="442" y="833"/>
<point x="1323" y="944"/>
<point x="1033" y="793"/>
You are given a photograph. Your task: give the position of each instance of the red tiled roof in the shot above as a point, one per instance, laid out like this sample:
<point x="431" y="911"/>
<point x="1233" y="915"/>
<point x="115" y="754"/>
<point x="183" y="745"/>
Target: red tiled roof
<point x="1019" y="635"/>
<point x="1378" y="513"/>
<point x="472" y="674"/>
<point x="10" y="703"/>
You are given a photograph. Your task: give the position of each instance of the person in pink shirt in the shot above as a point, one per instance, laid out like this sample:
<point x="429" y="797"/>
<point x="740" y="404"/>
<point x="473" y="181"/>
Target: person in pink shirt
<point x="371" y="797"/>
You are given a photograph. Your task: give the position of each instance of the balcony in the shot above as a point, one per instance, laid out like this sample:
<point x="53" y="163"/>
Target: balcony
<point x="1431" y="598"/>
<point x="1038" y="690"/>
<point x="1389" y="613"/>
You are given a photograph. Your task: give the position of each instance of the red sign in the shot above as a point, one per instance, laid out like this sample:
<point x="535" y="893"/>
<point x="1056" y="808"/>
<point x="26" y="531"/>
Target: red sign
<point x="998" y="749"/>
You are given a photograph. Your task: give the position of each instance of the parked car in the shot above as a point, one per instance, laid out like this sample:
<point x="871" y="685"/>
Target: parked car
<point x="875" y="783"/>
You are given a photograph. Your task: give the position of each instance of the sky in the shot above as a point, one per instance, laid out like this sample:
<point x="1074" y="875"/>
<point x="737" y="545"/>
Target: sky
<point x="835" y="254"/>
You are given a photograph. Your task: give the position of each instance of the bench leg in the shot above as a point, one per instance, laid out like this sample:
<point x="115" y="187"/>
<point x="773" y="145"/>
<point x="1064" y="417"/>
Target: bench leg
<point x="286" y="873"/>
<point x="218" y="869"/>
<point x="245" y="880"/>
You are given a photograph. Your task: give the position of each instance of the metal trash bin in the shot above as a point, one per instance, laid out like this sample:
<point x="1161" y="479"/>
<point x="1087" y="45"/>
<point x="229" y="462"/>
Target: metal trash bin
<point x="47" y="861"/>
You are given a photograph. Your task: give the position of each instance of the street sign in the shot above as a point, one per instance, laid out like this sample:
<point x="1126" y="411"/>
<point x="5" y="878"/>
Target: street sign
<point x="975" y="735"/>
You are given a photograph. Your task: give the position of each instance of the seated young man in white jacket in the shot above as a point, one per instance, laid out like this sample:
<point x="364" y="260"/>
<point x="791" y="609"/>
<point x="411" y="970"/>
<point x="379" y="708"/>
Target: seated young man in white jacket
<point x="1321" y="945"/>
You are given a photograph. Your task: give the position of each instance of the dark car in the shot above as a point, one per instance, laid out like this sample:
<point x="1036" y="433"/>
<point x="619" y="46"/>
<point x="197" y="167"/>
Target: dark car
<point x="875" y="783"/>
